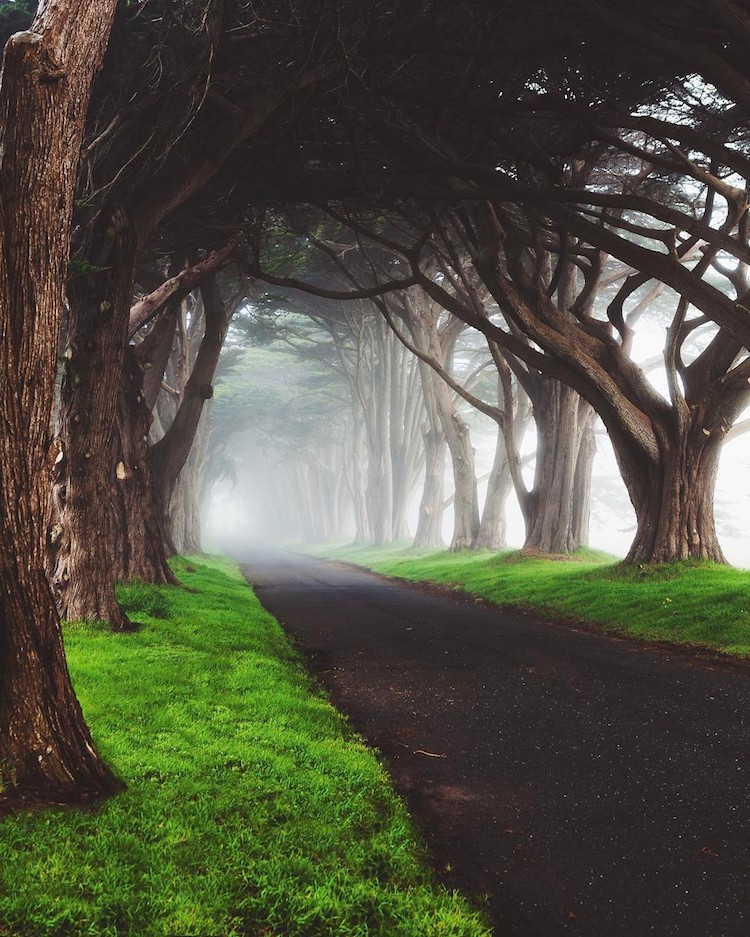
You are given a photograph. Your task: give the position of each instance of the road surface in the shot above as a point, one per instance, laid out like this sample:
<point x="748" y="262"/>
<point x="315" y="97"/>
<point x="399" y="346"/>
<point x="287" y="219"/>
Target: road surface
<point x="588" y="785"/>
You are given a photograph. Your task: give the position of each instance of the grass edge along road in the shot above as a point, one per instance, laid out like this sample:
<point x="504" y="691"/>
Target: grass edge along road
<point x="693" y="603"/>
<point x="251" y="808"/>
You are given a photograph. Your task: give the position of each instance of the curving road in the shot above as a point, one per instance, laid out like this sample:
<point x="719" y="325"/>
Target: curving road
<point x="589" y="785"/>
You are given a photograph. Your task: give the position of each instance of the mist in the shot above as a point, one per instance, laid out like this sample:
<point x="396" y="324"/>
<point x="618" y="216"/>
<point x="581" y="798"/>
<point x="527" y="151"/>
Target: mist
<point x="278" y="417"/>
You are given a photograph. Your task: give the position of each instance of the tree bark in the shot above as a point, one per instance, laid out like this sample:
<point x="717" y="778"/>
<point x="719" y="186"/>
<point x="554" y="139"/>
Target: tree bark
<point x="430" y="524"/>
<point x="46" y="752"/>
<point x="492" y="526"/>
<point x="83" y="575"/>
<point x="674" y="501"/>
<point x="406" y="440"/>
<point x="439" y="347"/>
<point x="169" y="454"/>
<point x="184" y="511"/>
<point x="379" y="494"/>
<point x="582" y="486"/>
<point x="466" y="501"/>
<point x="139" y="539"/>
<point x="556" y="509"/>
<point x="375" y="399"/>
<point x="138" y="536"/>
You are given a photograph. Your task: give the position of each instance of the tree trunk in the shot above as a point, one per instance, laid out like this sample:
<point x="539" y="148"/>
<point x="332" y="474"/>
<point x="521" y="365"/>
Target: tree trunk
<point x="430" y="523"/>
<point x="582" y="485"/>
<point x="379" y="466"/>
<point x="379" y="495"/>
<point x="169" y="454"/>
<point x="492" y="527"/>
<point x="427" y="339"/>
<point x="138" y="535"/>
<point x="554" y="514"/>
<point x="46" y="753"/>
<point x="466" y="500"/>
<point x="674" y="502"/>
<point x="184" y="514"/>
<point x="184" y="510"/>
<point x="406" y="439"/>
<point x="397" y="431"/>
<point x="86" y="479"/>
<point x="357" y="475"/>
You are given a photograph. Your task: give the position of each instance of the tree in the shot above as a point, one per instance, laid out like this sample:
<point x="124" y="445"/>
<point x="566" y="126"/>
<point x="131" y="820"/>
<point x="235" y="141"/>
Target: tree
<point x="46" y="753"/>
<point x="589" y="134"/>
<point x="435" y="336"/>
<point x="169" y="454"/>
<point x="648" y="180"/>
<point x="384" y="442"/>
<point x="141" y="536"/>
<point x="161" y="134"/>
<point x="556" y="509"/>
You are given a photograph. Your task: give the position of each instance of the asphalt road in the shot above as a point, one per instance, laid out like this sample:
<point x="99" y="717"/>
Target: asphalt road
<point x="589" y="785"/>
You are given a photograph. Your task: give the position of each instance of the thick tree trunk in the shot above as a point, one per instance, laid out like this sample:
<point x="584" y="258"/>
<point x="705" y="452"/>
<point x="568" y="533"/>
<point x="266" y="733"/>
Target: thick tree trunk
<point x="674" y="502"/>
<point x="138" y="535"/>
<point x="83" y="576"/>
<point x="184" y="514"/>
<point x="556" y="509"/>
<point x="46" y="753"/>
<point x="492" y="527"/>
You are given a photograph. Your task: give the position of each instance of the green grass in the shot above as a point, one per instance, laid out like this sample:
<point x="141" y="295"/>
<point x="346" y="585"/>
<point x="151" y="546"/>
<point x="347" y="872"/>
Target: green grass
<point x="684" y="603"/>
<point x="251" y="807"/>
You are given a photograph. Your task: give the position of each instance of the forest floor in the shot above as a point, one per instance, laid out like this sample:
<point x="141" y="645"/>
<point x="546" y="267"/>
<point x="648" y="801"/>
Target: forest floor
<point x="587" y="783"/>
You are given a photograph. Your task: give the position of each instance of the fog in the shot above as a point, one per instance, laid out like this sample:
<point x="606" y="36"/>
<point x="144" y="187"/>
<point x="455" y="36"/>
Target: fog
<point x="326" y="416"/>
<point x="238" y="514"/>
<point x="292" y="413"/>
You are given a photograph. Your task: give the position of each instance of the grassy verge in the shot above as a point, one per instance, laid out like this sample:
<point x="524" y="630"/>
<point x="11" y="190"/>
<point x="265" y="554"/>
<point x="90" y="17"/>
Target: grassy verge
<point x="685" y="603"/>
<point x="251" y="808"/>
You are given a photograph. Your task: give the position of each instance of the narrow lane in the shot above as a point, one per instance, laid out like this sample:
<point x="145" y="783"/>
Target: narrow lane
<point x="589" y="785"/>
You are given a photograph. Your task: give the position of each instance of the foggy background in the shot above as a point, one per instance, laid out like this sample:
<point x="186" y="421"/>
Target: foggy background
<point x="268" y="399"/>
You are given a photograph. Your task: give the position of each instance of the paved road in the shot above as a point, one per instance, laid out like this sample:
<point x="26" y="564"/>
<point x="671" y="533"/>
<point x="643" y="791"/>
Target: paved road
<point x="589" y="785"/>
